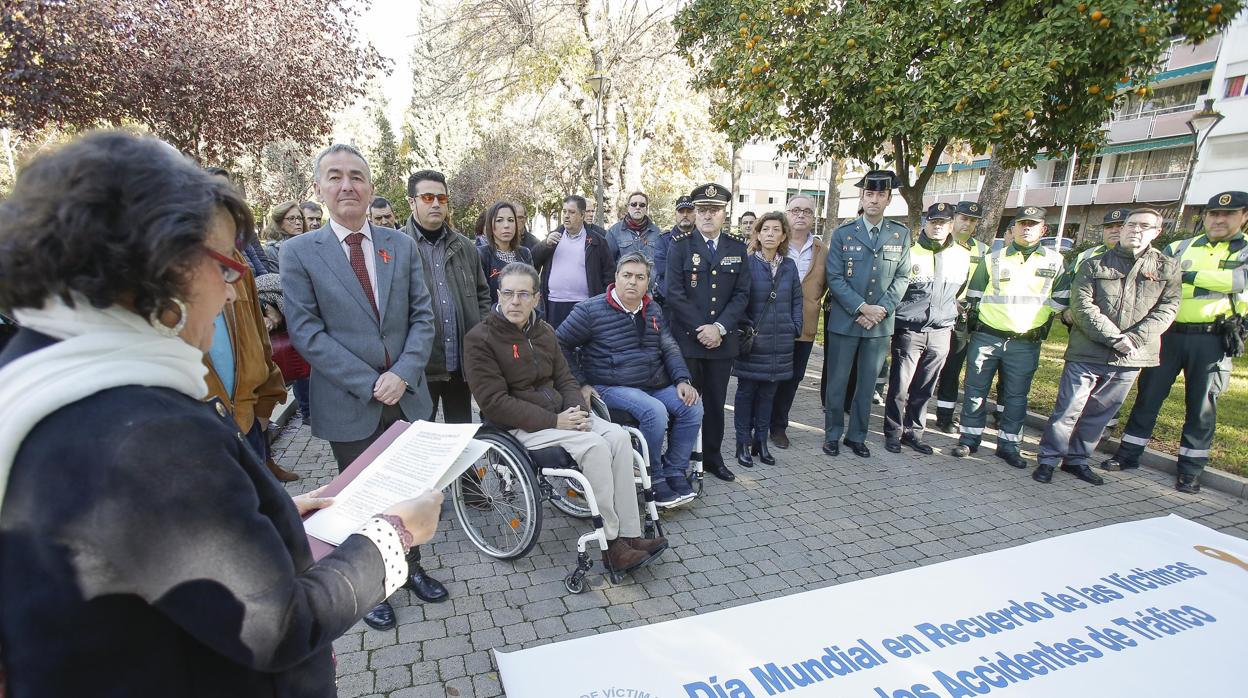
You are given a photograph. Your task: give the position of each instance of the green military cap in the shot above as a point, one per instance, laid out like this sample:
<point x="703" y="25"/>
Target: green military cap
<point x="1228" y="201"/>
<point x="970" y="209"/>
<point x="1029" y="213"/>
<point x="940" y="211"/>
<point x="710" y="195"/>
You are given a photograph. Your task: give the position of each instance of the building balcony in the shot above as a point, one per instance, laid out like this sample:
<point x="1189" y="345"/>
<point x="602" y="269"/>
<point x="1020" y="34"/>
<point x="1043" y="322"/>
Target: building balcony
<point x="1183" y="55"/>
<point x="1156" y="188"/>
<point x="1160" y="123"/>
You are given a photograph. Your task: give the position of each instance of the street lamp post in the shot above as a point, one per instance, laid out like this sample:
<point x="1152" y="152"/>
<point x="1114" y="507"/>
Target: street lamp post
<point x="1201" y="124"/>
<point x="598" y="83"/>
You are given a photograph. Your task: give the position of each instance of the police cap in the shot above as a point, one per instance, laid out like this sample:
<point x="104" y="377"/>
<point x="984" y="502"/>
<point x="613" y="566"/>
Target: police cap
<point x="1228" y="201"/>
<point x="878" y="180"/>
<point x="940" y="211"/>
<point x="1116" y="215"/>
<point x="1029" y="213"/>
<point x="683" y="203"/>
<point x="970" y="209"/>
<point x="710" y="195"/>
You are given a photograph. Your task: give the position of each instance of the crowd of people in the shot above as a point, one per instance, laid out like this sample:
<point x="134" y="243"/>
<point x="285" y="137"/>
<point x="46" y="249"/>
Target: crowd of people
<point x="142" y="291"/>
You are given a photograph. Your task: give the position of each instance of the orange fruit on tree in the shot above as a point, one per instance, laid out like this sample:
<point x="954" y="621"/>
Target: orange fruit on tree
<point x="1030" y="114"/>
<point x="1082" y="7"/>
<point x="851" y="43"/>
<point x="1097" y="15"/>
<point x="1217" y="7"/>
<point x="744" y="16"/>
<point x="1104" y="23"/>
<point x="1094" y="90"/>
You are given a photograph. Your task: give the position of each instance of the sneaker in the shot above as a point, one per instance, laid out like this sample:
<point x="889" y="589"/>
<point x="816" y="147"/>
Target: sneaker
<point x="680" y="485"/>
<point x="664" y="496"/>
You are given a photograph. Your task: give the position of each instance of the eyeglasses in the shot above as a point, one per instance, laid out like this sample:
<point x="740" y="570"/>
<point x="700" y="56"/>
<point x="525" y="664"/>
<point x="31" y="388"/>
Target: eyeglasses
<point x="522" y="296"/>
<point x="801" y="212"/>
<point x="703" y="210"/>
<point x="1142" y="227"/>
<point x="232" y="271"/>
<point x="293" y="219"/>
<point x="429" y="198"/>
<point x="638" y="204"/>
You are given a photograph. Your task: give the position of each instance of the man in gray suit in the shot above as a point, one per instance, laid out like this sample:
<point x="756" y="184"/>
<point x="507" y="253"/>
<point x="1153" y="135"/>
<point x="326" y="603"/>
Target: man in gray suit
<point x="868" y="270"/>
<point x="357" y="308"/>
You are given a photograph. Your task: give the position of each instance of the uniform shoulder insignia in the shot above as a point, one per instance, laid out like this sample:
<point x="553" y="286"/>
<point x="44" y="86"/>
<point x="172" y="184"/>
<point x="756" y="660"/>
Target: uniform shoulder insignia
<point x="681" y="236"/>
<point x="903" y="226"/>
<point x="736" y="236"/>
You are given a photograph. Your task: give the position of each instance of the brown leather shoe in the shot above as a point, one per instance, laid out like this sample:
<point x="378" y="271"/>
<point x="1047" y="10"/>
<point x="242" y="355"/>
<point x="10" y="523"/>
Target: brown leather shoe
<point x="281" y="473"/>
<point x="622" y="557"/>
<point x="649" y="546"/>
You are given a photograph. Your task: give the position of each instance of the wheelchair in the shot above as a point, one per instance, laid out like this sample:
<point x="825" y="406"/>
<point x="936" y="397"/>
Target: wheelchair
<point x="498" y="500"/>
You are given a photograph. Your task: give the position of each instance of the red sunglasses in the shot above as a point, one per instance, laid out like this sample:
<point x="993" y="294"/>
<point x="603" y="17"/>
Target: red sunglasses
<point x="231" y="270"/>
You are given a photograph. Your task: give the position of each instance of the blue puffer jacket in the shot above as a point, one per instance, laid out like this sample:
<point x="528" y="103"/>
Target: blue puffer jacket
<point x="605" y="345"/>
<point x="777" y="326"/>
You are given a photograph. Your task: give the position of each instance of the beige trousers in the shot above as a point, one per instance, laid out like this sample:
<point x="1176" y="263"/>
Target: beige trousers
<point x="605" y="455"/>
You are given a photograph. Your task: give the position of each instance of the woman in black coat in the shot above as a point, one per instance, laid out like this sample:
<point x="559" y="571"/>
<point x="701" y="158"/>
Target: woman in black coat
<point x="775" y="311"/>
<point x="139" y="533"/>
<point x="502" y="244"/>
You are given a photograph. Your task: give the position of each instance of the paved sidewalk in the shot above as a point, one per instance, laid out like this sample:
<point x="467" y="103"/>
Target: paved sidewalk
<point x="808" y="522"/>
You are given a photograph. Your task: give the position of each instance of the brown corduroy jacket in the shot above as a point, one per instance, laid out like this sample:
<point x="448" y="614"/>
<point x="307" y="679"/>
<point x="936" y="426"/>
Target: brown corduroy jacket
<point x="814" y="288"/>
<point x="258" y="384"/>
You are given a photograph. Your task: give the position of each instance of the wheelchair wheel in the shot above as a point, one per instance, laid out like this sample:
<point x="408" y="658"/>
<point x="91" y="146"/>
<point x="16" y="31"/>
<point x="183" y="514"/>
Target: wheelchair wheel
<point x="497" y="500"/>
<point x="569" y="497"/>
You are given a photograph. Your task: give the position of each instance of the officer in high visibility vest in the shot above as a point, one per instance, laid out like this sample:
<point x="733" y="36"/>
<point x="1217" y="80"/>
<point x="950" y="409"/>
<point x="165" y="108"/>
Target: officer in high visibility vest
<point x="1215" y="272"/>
<point x="939" y="271"/>
<point x="965" y="220"/>
<point x="1015" y="292"/>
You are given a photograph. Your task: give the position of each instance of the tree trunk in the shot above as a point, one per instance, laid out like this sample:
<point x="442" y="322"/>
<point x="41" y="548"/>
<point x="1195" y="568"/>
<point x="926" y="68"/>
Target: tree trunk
<point x="832" y="204"/>
<point x="737" y="166"/>
<point x="992" y="196"/>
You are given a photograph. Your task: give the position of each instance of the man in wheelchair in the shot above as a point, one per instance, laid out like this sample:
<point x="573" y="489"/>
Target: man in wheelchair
<point x="618" y="347"/>
<point x="522" y="383"/>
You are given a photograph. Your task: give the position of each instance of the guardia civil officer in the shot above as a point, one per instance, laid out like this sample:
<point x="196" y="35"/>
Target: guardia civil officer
<point x="868" y="269"/>
<point x="965" y="221"/>
<point x="1111" y="231"/>
<point x="1015" y="292"/>
<point x="1215" y="269"/>
<point x="939" y="271"/>
<point x="708" y="288"/>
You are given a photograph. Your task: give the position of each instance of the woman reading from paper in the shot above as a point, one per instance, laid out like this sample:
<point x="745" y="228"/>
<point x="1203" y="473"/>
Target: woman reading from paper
<point x="138" y="530"/>
<point x="522" y="383"/>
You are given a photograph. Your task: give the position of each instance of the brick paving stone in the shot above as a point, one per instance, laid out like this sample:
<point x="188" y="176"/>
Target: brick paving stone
<point x="806" y="523"/>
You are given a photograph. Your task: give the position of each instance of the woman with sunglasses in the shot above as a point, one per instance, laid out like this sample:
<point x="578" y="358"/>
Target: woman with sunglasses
<point x="137" y="527"/>
<point x="502" y="244"/>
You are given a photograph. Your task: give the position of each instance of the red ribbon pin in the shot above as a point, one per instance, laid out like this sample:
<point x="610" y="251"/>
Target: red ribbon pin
<point x="385" y="256"/>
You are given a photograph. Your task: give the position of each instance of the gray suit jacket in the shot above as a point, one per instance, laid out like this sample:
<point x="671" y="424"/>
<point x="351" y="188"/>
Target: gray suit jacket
<point x="331" y="323"/>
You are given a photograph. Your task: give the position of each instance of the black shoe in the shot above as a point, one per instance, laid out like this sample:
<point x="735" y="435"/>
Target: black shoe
<point x="913" y="442"/>
<point x="426" y="588"/>
<point x="1083" y="472"/>
<point x="892" y="446"/>
<point x="1013" y="458"/>
<point x="1116" y="464"/>
<point x="763" y="452"/>
<point x="831" y="448"/>
<point x="720" y="471"/>
<point x="962" y="450"/>
<point x="381" y="617"/>
<point x="743" y="456"/>
<point x="1043" y="473"/>
<point x="859" y="449"/>
<point x="1188" y="484"/>
<point x="780" y="439"/>
<point x="946" y="426"/>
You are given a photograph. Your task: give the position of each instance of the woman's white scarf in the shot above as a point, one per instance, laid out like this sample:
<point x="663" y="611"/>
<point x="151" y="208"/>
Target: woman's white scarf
<point x="99" y="349"/>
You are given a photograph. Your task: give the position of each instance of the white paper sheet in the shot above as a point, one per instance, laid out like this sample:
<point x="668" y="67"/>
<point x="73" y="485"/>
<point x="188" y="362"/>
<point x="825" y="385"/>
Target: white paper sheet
<point x="427" y="456"/>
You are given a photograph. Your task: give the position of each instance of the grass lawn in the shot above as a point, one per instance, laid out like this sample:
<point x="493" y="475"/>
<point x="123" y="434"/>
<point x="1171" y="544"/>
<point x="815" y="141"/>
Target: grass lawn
<point x="1230" y="444"/>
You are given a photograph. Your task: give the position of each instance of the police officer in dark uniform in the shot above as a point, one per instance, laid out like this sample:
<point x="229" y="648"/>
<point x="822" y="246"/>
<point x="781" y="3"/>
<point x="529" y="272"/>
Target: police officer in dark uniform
<point x="684" y="224"/>
<point x="708" y="288"/>
<point x="868" y="269"/>
<point x="1215" y="277"/>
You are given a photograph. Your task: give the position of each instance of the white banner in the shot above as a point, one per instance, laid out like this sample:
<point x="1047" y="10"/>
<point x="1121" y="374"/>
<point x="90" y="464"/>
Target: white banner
<point x="1148" y="608"/>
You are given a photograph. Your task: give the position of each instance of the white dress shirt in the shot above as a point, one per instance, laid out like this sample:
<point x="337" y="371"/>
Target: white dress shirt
<point x="366" y="246"/>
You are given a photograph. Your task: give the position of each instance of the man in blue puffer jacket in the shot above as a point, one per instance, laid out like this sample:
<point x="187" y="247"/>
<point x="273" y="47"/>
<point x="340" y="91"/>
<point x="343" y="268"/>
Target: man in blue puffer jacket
<point x="619" y="347"/>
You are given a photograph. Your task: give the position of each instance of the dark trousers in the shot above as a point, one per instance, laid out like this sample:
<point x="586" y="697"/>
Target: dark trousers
<point x="259" y="441"/>
<point x="951" y="376"/>
<point x="300" y="388"/>
<point x="345" y="453"/>
<point x="710" y="377"/>
<point x="918" y="358"/>
<point x="455" y="397"/>
<point x="867" y="355"/>
<point x="1088" y="396"/>
<point x="752" y="409"/>
<point x="556" y="313"/>
<point x="786" y="391"/>
<point x="1206" y="374"/>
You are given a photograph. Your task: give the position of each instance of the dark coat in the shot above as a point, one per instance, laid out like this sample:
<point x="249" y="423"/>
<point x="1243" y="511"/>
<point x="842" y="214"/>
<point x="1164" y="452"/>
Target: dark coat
<point x="605" y="345"/>
<point x="518" y="377"/>
<point x="492" y="266"/>
<point x="599" y="266"/>
<point x="1117" y="293"/>
<point x="702" y="290"/>
<point x="153" y="554"/>
<point x="469" y="290"/>
<point x="777" y="326"/>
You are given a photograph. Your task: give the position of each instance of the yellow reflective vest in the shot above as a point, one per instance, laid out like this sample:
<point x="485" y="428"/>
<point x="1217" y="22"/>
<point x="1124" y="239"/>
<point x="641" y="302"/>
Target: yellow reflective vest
<point x="1019" y="293"/>
<point x="1214" y="274"/>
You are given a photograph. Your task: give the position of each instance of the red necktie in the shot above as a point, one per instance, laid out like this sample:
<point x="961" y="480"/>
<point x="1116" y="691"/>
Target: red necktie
<point x="355" y="241"/>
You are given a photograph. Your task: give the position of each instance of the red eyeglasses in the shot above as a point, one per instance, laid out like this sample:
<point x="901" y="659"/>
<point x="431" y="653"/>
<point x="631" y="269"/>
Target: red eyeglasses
<point x="231" y="270"/>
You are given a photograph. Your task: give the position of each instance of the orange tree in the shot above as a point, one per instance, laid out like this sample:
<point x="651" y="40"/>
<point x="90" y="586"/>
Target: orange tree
<point x="901" y="80"/>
